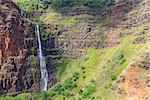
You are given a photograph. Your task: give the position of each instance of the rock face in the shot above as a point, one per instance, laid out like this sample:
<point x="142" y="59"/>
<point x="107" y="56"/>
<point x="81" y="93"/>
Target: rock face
<point x="87" y="32"/>
<point x="18" y="63"/>
<point x="91" y="32"/>
<point x="70" y="42"/>
<point x="16" y="40"/>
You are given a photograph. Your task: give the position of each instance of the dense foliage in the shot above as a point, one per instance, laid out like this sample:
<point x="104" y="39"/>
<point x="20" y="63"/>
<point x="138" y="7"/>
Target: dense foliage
<point x="37" y="4"/>
<point x="92" y="76"/>
<point x="29" y="5"/>
<point x="89" y="3"/>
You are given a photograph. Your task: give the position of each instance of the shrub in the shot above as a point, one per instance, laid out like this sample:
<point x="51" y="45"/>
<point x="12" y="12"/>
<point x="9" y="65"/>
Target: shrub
<point x="89" y="90"/>
<point x="68" y="83"/>
<point x="81" y="91"/>
<point x="83" y="71"/>
<point x="51" y="94"/>
<point x="33" y="51"/>
<point x="120" y="56"/>
<point x="86" y="59"/>
<point x="28" y="5"/>
<point x="83" y="68"/>
<point x="122" y="61"/>
<point x="92" y="98"/>
<point x="113" y="77"/>
<point x="75" y="75"/>
<point x="44" y="96"/>
<point x="89" y="3"/>
<point x="57" y="87"/>
<point x="56" y="3"/>
<point x="84" y="77"/>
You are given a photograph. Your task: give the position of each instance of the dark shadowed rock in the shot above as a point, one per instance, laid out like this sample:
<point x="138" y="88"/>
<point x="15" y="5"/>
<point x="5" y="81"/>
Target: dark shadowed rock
<point x="16" y="40"/>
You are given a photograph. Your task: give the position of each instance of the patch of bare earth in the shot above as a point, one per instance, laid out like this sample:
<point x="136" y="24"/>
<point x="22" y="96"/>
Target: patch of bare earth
<point x="134" y="84"/>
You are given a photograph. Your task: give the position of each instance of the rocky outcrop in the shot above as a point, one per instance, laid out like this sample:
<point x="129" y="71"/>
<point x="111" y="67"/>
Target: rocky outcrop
<point x="18" y="61"/>
<point x="131" y="13"/>
<point x="16" y="72"/>
<point x="70" y="41"/>
<point x="92" y="32"/>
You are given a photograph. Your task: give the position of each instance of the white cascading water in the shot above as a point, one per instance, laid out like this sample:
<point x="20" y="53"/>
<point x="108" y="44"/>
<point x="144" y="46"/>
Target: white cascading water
<point x="22" y="12"/>
<point x="43" y="69"/>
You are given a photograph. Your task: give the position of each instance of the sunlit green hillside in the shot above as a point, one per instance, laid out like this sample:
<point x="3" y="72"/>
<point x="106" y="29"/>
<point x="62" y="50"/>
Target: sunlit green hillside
<point x="92" y="75"/>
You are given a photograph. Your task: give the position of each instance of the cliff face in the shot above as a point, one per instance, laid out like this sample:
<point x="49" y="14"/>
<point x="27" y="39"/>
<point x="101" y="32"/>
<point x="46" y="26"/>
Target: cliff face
<point x="122" y="37"/>
<point x="83" y="46"/>
<point x="16" y="40"/>
<point x="84" y="27"/>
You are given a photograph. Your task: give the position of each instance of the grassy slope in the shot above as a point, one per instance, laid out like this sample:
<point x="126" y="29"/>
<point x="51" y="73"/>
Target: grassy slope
<point x="99" y="67"/>
<point x="91" y="69"/>
<point x="91" y="76"/>
<point x="94" y="66"/>
<point x="29" y="5"/>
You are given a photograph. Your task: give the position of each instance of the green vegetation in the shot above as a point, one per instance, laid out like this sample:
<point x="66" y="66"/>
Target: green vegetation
<point x="88" y="91"/>
<point x="89" y="77"/>
<point x="89" y="3"/>
<point x="29" y="5"/>
<point x="92" y="75"/>
<point x="23" y="96"/>
<point x="62" y="63"/>
<point x="33" y="51"/>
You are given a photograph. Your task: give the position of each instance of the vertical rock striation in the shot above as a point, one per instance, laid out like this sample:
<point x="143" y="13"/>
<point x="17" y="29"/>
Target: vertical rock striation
<point x="16" y="40"/>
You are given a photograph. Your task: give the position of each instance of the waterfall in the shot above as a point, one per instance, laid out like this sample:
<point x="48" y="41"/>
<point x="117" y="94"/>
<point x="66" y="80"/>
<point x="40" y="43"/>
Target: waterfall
<point x="43" y="69"/>
<point x="22" y="12"/>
